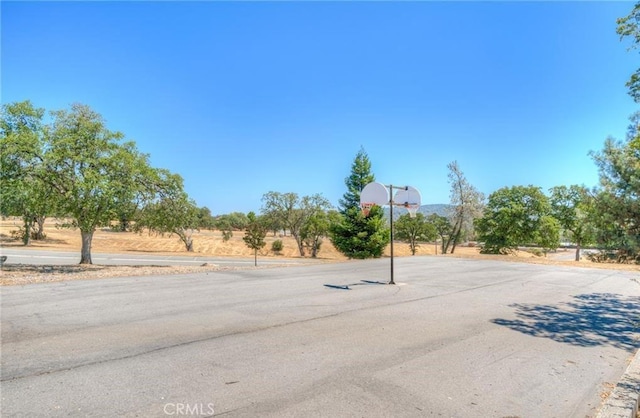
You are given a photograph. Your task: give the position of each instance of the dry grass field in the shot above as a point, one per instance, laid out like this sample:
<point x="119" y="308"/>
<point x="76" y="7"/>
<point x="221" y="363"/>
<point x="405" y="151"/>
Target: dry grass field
<point x="206" y="243"/>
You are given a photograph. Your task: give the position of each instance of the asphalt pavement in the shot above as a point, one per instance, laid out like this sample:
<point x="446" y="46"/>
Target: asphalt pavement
<point x="48" y="257"/>
<point x="455" y="337"/>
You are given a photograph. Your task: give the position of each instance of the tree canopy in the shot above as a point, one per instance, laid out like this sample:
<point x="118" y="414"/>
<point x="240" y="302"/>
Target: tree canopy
<point x="628" y="27"/>
<point x="617" y="202"/>
<point x="93" y="174"/>
<point x="413" y="230"/>
<point x="573" y="208"/>
<point x="24" y="193"/>
<point x="515" y="216"/>
<point x="293" y="212"/>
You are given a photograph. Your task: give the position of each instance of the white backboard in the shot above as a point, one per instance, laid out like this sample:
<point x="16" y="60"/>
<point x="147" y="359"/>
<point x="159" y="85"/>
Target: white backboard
<point x="375" y="193"/>
<point x="410" y="196"/>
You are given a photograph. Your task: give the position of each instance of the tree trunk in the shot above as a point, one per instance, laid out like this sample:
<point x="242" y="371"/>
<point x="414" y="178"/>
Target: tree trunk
<point x="456" y="238"/>
<point x="300" y="244"/>
<point x="40" y="231"/>
<point x="578" y="252"/>
<point x="124" y="224"/>
<point x="455" y="235"/>
<point x="26" y="233"/>
<point x="187" y="239"/>
<point x="85" y="253"/>
<point x="255" y="259"/>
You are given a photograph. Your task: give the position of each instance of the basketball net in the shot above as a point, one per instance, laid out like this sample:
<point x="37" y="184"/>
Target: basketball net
<point x="412" y="209"/>
<point x="366" y="208"/>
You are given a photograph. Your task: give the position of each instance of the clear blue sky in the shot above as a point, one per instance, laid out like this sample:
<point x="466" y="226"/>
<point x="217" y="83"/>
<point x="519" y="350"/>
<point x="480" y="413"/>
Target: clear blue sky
<point x="242" y="98"/>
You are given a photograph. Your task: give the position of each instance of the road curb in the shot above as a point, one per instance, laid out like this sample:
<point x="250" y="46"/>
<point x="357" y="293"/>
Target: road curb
<point x="623" y="400"/>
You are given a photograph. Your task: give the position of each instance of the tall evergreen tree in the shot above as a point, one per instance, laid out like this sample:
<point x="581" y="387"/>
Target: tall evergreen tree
<point x="354" y="234"/>
<point x="360" y="176"/>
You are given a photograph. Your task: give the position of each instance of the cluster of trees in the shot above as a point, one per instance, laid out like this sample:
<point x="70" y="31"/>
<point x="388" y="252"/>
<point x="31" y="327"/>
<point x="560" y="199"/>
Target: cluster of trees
<point x="74" y="168"/>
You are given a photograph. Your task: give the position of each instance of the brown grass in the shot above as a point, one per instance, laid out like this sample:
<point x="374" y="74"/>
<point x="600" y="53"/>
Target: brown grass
<point x="206" y="243"/>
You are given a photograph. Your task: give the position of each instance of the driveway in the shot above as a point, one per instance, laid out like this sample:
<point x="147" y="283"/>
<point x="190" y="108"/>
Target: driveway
<point x="456" y="337"/>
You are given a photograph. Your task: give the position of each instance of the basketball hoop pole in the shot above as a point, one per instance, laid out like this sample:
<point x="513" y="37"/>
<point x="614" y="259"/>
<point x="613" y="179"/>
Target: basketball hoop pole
<point x="381" y="194"/>
<point x="391" y="203"/>
<point x="391" y="228"/>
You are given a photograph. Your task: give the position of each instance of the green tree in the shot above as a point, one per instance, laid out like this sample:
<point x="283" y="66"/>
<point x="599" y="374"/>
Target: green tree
<point x="548" y="234"/>
<point x="23" y="192"/>
<point x="617" y="203"/>
<point x="515" y="216"/>
<point x="352" y="233"/>
<point x="467" y="204"/>
<point x="358" y="236"/>
<point x="628" y="27"/>
<point x="172" y="212"/>
<point x="293" y="212"/>
<point x="205" y="219"/>
<point x="572" y="207"/>
<point x="254" y="235"/>
<point x="360" y="176"/>
<point x="414" y="230"/>
<point x="443" y="228"/>
<point x="92" y="169"/>
<point x="315" y="229"/>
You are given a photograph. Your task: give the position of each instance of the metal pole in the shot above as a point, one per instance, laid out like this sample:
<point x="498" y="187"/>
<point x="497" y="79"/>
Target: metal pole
<point x="391" y="228"/>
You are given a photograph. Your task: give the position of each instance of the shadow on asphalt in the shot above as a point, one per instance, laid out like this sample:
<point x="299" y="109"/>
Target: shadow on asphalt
<point x="360" y="283"/>
<point x="589" y="320"/>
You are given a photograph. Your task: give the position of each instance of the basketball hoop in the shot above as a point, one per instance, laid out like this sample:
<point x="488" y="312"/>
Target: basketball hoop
<point x="366" y="208"/>
<point x="412" y="208"/>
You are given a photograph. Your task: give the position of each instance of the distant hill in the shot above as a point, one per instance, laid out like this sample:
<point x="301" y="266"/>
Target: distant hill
<point x="439" y="209"/>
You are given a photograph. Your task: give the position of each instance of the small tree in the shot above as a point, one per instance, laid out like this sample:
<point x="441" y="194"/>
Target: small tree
<point x="467" y="204"/>
<point x="173" y="213"/>
<point x="254" y="235"/>
<point x="314" y="229"/>
<point x="23" y="191"/>
<point x="293" y="212"/>
<point x="413" y="230"/>
<point x="442" y="227"/>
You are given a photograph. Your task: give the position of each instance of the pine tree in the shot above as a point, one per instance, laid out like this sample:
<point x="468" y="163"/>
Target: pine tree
<point x="360" y="176"/>
<point x="356" y="235"/>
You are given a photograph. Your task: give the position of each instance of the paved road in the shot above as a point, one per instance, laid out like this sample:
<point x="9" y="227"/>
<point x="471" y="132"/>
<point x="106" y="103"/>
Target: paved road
<point x="457" y="338"/>
<point x="44" y="257"/>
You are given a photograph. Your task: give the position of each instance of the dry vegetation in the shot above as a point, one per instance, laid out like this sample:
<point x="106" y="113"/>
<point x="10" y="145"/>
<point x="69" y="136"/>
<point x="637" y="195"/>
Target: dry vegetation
<point x="206" y="243"/>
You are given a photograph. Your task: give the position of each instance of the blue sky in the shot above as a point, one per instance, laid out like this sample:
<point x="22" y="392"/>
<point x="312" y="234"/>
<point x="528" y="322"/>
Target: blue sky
<point x="242" y="98"/>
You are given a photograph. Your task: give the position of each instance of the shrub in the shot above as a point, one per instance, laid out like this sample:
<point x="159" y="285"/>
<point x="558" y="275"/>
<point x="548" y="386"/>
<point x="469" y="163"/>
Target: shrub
<point x="277" y="246"/>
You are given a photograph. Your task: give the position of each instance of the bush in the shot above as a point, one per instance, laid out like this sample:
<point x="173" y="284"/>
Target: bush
<point x="277" y="246"/>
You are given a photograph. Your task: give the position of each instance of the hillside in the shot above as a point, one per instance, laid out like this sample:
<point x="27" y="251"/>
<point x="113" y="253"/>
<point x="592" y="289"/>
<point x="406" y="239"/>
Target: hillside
<point x="438" y="208"/>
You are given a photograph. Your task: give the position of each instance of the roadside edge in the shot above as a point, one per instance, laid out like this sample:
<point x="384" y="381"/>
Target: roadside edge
<point x="624" y="399"/>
